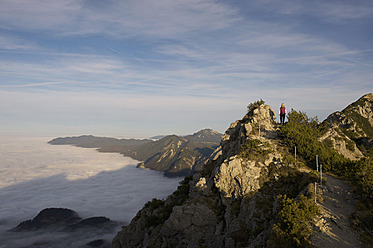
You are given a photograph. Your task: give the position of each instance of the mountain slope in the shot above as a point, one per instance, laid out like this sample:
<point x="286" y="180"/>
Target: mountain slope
<point x="350" y="131"/>
<point x="231" y="202"/>
<point x="205" y="136"/>
<point x="253" y="193"/>
<point x="174" y="155"/>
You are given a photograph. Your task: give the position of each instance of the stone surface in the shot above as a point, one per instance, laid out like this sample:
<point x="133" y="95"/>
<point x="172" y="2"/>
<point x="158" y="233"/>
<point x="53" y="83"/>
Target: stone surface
<point x="215" y="213"/>
<point x="236" y="178"/>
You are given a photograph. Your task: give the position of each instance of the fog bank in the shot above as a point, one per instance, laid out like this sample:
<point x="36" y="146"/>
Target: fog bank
<point x="35" y="175"/>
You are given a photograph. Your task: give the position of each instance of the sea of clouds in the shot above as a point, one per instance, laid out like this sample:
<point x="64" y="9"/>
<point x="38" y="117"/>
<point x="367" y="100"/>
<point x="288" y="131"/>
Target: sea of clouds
<point x="35" y="175"/>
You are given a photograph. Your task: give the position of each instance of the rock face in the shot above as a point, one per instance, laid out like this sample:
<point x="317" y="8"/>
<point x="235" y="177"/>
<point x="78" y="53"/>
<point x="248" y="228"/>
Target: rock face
<point x="231" y="202"/>
<point x="350" y="131"/>
<point x="261" y="118"/>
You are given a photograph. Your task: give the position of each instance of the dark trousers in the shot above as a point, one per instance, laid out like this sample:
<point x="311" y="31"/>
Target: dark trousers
<point x="282" y="118"/>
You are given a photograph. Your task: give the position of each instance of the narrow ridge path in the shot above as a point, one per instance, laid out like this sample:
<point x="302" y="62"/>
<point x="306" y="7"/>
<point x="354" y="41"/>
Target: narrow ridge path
<point x="333" y="228"/>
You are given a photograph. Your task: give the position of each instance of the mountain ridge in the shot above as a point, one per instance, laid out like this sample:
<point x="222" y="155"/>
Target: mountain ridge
<point x="90" y="141"/>
<point x="350" y="131"/>
<point x="174" y="155"/>
<point x="246" y="193"/>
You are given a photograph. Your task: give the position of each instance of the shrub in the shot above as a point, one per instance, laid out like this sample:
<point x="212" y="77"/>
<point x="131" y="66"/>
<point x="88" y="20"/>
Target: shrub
<point x="303" y="132"/>
<point x="350" y="145"/>
<point x="364" y="175"/>
<point x="160" y="211"/>
<point x="293" y="224"/>
<point x="254" y="149"/>
<point x="254" y="105"/>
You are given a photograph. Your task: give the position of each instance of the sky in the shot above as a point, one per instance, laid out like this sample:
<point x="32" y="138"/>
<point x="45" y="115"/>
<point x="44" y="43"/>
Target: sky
<point x="139" y="68"/>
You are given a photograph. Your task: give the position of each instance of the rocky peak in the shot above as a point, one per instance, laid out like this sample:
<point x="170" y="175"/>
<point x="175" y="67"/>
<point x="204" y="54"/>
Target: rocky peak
<point x="215" y="208"/>
<point x="205" y="135"/>
<point x="236" y="176"/>
<point x="259" y="118"/>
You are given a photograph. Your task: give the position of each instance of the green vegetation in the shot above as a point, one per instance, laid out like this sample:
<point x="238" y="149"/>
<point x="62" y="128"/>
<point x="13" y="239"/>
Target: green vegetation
<point x="350" y="145"/>
<point x="293" y="225"/>
<point x="364" y="175"/>
<point x="254" y="149"/>
<point x="363" y="221"/>
<point x="254" y="105"/>
<point x="160" y="211"/>
<point x="303" y="132"/>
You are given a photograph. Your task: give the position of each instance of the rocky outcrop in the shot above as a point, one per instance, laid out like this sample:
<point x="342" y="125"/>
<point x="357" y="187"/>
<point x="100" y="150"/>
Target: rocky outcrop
<point x="261" y="118"/>
<point x="236" y="177"/>
<point x="350" y="131"/>
<point x="231" y="201"/>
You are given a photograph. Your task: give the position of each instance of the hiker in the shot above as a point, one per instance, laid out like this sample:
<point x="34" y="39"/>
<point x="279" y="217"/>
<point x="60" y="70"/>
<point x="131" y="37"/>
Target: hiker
<point x="282" y="113"/>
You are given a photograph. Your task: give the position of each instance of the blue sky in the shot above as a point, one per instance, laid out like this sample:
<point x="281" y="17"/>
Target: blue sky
<point x="140" y="68"/>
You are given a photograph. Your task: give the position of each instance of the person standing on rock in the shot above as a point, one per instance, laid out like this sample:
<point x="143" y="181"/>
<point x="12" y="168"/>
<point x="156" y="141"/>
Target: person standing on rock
<point x="282" y="113"/>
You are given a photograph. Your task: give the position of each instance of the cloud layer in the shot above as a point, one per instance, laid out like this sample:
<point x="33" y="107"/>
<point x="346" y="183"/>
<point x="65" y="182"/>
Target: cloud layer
<point x="35" y="175"/>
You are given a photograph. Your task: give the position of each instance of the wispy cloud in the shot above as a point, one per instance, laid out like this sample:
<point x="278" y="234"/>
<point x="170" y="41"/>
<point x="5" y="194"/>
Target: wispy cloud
<point x="204" y="55"/>
<point x="119" y="18"/>
<point x="8" y="42"/>
<point x="344" y="11"/>
<point x="38" y="14"/>
<point x="330" y="11"/>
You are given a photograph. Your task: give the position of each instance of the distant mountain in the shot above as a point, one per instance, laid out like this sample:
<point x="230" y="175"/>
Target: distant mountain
<point x="157" y="137"/>
<point x="205" y="135"/>
<point x="350" y="131"/>
<point x="89" y="141"/>
<point x="176" y="156"/>
<point x="172" y="154"/>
